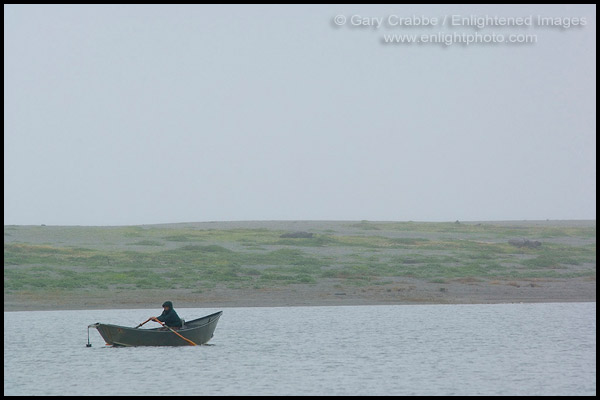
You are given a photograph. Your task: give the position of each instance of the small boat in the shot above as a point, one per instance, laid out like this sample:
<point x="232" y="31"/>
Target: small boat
<point x="198" y="331"/>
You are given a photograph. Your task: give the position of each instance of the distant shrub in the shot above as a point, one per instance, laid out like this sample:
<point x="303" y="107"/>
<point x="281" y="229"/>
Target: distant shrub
<point x="206" y="249"/>
<point x="178" y="238"/>
<point x="297" y="235"/>
<point x="146" y="243"/>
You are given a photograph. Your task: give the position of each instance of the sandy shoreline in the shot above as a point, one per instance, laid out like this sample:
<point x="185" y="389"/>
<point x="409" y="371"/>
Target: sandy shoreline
<point x="403" y="292"/>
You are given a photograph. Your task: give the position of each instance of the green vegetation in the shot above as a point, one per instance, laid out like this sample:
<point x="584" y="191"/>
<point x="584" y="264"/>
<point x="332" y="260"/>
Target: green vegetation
<point x="364" y="253"/>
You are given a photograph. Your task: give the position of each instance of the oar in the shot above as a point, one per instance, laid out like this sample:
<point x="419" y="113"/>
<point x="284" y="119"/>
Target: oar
<point x="143" y="322"/>
<point x="186" y="339"/>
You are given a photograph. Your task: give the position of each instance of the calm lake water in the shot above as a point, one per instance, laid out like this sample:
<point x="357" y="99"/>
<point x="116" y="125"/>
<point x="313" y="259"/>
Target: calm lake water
<point x="501" y="349"/>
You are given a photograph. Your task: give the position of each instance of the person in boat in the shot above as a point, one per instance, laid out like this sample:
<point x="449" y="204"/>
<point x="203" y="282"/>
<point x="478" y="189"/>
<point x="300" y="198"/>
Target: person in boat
<point x="169" y="316"/>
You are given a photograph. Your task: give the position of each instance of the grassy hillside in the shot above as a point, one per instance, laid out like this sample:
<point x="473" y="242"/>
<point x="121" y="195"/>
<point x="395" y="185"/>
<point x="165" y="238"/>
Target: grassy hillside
<point x="200" y="256"/>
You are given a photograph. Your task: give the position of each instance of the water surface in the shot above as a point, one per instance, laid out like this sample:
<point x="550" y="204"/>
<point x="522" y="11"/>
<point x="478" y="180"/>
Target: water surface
<point x="500" y="349"/>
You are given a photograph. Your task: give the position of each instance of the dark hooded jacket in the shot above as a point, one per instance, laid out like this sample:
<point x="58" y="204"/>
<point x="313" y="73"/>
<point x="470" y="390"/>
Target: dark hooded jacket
<point x="170" y="317"/>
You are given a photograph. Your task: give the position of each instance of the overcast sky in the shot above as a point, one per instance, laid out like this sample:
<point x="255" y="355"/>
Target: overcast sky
<point x="125" y="114"/>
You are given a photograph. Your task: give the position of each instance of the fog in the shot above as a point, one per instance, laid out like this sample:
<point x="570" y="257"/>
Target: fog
<point x="127" y="114"/>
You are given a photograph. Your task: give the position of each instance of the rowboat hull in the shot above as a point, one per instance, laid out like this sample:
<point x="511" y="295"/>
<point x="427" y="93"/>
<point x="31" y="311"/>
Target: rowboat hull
<point x="199" y="331"/>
